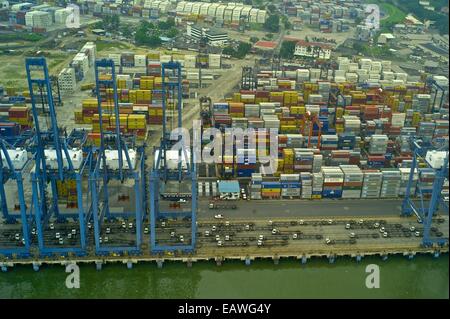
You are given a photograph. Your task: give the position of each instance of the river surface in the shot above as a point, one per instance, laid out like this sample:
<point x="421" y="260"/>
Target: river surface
<point x="423" y="277"/>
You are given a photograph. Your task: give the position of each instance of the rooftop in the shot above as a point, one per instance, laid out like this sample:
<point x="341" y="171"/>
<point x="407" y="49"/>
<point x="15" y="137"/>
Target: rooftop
<point x="265" y="45"/>
<point x="388" y="35"/>
<point x="324" y="46"/>
<point x="228" y="187"/>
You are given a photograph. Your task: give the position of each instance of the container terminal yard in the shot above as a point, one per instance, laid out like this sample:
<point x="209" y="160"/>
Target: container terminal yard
<point x="361" y="156"/>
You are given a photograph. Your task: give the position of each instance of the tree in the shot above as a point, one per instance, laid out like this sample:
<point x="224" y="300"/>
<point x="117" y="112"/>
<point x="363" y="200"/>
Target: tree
<point x="254" y="39"/>
<point x="172" y="32"/>
<point x="271" y="8"/>
<point x="228" y="51"/>
<point x="126" y="30"/>
<point x="272" y="23"/>
<point x="287" y="49"/>
<point x="166" y="25"/>
<point x="154" y="41"/>
<point x="240" y="52"/>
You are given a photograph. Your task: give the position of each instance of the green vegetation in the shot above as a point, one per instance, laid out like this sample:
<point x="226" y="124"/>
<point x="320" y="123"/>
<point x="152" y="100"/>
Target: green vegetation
<point x="286" y="23"/>
<point x="272" y="23"/>
<point x="287" y="49"/>
<point x="127" y="30"/>
<point x="110" y="23"/>
<point x="254" y="39"/>
<point x="397" y="10"/>
<point x="394" y="16"/>
<point x="104" y="45"/>
<point x="240" y="52"/>
<point x="367" y="50"/>
<point x="166" y="25"/>
<point x="271" y="8"/>
<point x="441" y="20"/>
<point x="32" y="37"/>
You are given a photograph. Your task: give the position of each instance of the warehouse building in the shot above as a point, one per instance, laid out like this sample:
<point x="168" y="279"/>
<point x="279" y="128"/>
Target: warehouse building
<point x="313" y="49"/>
<point x="214" y="36"/>
<point x="229" y="189"/>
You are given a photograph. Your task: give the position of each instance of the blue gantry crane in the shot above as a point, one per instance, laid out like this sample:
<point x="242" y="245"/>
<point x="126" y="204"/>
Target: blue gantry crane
<point x="55" y="161"/>
<point x="118" y="159"/>
<point x="163" y="172"/>
<point x="13" y="163"/>
<point x="437" y="161"/>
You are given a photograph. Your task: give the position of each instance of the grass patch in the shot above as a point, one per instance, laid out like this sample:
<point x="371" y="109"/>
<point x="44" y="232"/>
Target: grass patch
<point x="104" y="45"/>
<point x="395" y="15"/>
<point x="32" y="37"/>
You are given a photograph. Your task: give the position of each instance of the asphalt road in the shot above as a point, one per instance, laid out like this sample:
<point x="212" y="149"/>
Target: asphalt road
<point x="297" y="208"/>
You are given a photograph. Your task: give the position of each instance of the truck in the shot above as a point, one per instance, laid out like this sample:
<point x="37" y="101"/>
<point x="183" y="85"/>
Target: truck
<point x="214" y="205"/>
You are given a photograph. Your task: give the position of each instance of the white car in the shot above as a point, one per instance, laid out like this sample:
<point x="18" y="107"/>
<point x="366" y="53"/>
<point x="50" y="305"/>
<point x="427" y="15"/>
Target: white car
<point x="261" y="237"/>
<point x="74" y="231"/>
<point x="163" y="224"/>
<point x="227" y="223"/>
<point x="376" y="225"/>
<point x="260" y="242"/>
<point x="61" y="241"/>
<point x="53" y="226"/>
<point x="69" y="236"/>
<point x="382" y="230"/>
<point x="17" y="236"/>
<point x="182" y="200"/>
<point x="274" y="231"/>
<point x="58" y="235"/>
<point x="347" y="226"/>
<point x="130" y="225"/>
<point x="106" y="239"/>
<point x="301" y="222"/>
<point x="247" y="227"/>
<point x="417" y="234"/>
<point x="412" y="228"/>
<point x="213" y="228"/>
<point x="124" y="225"/>
<point x="385" y="235"/>
<point x="108" y="230"/>
<point x="352" y="235"/>
<point x="327" y="241"/>
<point x="181" y="238"/>
<point x="217" y="237"/>
<point x="330" y="221"/>
<point x="219" y="243"/>
<point x="146" y="230"/>
<point x="218" y="216"/>
<point x="227" y="237"/>
<point x="206" y="233"/>
<point x="172" y="234"/>
<point x="294" y="236"/>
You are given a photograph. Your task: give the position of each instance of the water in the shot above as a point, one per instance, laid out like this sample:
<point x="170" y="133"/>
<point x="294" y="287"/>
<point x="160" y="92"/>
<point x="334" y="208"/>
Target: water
<point x="424" y="277"/>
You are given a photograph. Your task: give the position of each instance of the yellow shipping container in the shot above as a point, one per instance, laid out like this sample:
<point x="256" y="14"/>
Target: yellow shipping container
<point x="89" y="103"/>
<point x="237" y="97"/>
<point x="153" y="55"/>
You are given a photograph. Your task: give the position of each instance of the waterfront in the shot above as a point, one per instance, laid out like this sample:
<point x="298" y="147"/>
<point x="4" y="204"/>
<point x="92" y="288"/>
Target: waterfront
<point x="423" y="277"/>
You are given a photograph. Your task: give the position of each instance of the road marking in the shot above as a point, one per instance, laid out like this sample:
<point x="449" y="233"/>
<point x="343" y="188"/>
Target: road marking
<point x="346" y="208"/>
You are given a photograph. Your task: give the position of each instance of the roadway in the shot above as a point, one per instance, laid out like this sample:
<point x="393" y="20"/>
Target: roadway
<point x="258" y="209"/>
